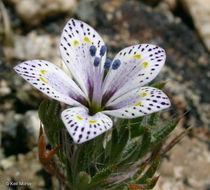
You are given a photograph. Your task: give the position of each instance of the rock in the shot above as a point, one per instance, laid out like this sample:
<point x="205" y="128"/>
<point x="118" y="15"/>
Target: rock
<point x="172" y="4"/>
<point x="34" y="11"/>
<point x="27" y="169"/>
<point x="152" y="2"/>
<point x="20" y="132"/>
<point x="24" y="96"/>
<point x="10" y="124"/>
<point x="32" y="124"/>
<point x="8" y="162"/>
<point x="1" y="153"/>
<point x="22" y="168"/>
<point x="4" y="88"/>
<point x="199" y="10"/>
<point x="34" y="46"/>
<point x="31" y="47"/>
<point x="186" y="171"/>
<point x="4" y="66"/>
<point x="171" y="184"/>
<point x="86" y="12"/>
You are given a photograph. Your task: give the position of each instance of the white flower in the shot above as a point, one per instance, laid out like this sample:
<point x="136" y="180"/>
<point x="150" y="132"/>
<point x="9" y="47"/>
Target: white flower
<point x="92" y="94"/>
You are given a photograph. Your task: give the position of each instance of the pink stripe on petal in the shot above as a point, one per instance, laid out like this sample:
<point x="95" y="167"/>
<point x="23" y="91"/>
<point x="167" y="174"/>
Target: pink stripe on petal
<point x="140" y="64"/>
<point x="76" y="47"/>
<point x="149" y="100"/>
<point x="52" y="81"/>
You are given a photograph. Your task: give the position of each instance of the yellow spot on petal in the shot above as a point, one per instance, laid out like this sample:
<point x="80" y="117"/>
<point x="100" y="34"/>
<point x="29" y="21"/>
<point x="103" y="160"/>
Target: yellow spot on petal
<point x="76" y="43"/>
<point x="86" y="39"/>
<point x="80" y="118"/>
<point x="137" y="56"/>
<point x="144" y="94"/>
<point x="43" y="72"/>
<point x="138" y="104"/>
<point x="145" y="64"/>
<point x="92" y="121"/>
<point x="43" y="80"/>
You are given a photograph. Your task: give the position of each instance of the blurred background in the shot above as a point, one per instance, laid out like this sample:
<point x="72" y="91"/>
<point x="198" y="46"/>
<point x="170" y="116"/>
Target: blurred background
<point x="30" y="29"/>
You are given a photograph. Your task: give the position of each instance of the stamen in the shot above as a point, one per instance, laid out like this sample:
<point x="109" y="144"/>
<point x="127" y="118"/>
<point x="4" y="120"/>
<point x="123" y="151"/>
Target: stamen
<point x="107" y="64"/>
<point x="103" y="50"/>
<point x="96" y="61"/>
<point x="92" y="50"/>
<point x="116" y="64"/>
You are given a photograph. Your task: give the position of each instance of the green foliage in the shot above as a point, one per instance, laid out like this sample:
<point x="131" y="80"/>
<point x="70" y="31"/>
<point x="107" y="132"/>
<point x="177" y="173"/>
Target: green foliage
<point x="124" y="158"/>
<point x="150" y="172"/>
<point x="159" y="85"/>
<point x="49" y="116"/>
<point x="161" y="132"/>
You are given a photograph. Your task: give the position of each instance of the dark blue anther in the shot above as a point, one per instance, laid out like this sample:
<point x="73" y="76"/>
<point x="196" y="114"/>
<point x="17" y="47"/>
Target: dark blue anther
<point x="116" y="64"/>
<point x="107" y="64"/>
<point x="96" y="61"/>
<point x="103" y="50"/>
<point x="92" y="50"/>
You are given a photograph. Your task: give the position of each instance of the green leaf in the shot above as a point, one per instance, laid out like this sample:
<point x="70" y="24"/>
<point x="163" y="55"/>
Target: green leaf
<point x="151" y="182"/>
<point x="139" y="172"/>
<point x="163" y="132"/>
<point x="102" y="175"/>
<point x="84" y="180"/>
<point x="156" y="149"/>
<point x="139" y="150"/>
<point x="122" y="147"/>
<point x="129" y="149"/>
<point x="159" y="85"/>
<point x="136" y="121"/>
<point x="98" y="153"/>
<point x="69" y="172"/>
<point x="52" y="109"/>
<point x="118" y="146"/>
<point x="83" y="158"/>
<point x="49" y="113"/>
<point x="153" y="120"/>
<point x="42" y="112"/>
<point x="114" y="136"/>
<point x="136" y="129"/>
<point x="136" y="186"/>
<point x="175" y="140"/>
<point x="146" y="142"/>
<point x="121" y="126"/>
<point x="150" y="172"/>
<point x="107" y="150"/>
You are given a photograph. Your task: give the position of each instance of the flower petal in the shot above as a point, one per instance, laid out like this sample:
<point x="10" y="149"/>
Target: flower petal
<point x="148" y="100"/>
<point x="84" y="53"/>
<point x="52" y="81"/>
<point x="82" y="127"/>
<point x="139" y="65"/>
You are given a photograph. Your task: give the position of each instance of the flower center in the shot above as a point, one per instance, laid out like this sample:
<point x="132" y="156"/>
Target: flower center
<point x="93" y="109"/>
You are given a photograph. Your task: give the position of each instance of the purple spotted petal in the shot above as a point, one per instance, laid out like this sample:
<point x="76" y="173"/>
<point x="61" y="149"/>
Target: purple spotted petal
<point x="84" y="53"/>
<point x="52" y="81"/>
<point x="139" y="65"/>
<point x="150" y="100"/>
<point x="82" y="127"/>
<point x="120" y="94"/>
